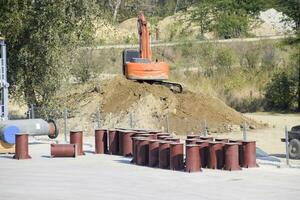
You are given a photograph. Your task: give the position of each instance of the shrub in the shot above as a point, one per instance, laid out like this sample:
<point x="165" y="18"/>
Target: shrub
<point x="280" y="92"/>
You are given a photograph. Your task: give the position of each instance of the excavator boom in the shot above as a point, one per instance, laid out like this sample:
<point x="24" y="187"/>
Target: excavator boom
<point x="144" y="34"/>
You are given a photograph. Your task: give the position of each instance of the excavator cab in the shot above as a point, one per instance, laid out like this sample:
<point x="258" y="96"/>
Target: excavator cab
<point x="127" y="56"/>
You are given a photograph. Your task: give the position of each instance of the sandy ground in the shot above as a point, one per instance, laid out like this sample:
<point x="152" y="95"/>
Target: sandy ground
<point x="113" y="177"/>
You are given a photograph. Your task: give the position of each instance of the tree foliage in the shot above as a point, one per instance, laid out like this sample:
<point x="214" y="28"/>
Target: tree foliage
<point x="38" y="34"/>
<point x="281" y="92"/>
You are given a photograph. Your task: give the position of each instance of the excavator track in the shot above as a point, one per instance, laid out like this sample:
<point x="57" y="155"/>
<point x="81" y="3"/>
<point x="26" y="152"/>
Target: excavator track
<point x="174" y="87"/>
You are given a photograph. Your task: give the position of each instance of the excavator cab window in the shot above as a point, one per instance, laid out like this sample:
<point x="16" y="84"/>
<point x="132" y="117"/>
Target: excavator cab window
<point x="128" y="56"/>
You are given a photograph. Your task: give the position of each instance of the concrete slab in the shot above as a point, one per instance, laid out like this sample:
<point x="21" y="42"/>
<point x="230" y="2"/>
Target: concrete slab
<point x="113" y="177"/>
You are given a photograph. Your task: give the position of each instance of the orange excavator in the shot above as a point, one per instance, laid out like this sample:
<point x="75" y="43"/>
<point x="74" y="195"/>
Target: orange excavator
<point x="138" y="64"/>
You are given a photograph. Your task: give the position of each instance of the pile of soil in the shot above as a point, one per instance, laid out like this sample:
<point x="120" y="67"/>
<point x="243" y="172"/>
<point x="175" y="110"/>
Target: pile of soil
<point x="125" y="103"/>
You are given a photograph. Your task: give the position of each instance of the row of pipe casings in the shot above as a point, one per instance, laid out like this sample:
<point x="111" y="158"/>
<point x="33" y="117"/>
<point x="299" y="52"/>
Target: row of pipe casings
<point x="157" y="149"/>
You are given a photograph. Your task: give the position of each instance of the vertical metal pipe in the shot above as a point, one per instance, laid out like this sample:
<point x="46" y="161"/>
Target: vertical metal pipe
<point x="244" y="132"/>
<point x="21" y="148"/>
<point x="100" y="141"/>
<point x="167" y="124"/>
<point x="287" y="146"/>
<point x="205" y="128"/>
<point x="76" y="137"/>
<point x="130" y="120"/>
<point x="32" y="111"/>
<point x="5" y="84"/>
<point x="98" y="118"/>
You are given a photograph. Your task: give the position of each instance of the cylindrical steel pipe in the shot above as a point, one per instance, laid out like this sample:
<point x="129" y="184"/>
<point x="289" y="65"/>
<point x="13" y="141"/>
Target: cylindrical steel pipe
<point x="29" y="126"/>
<point x="192" y="162"/>
<point x="249" y="152"/>
<point x="216" y="155"/>
<point x="127" y="143"/>
<point x="241" y="150"/>
<point x="164" y="155"/>
<point x="153" y="153"/>
<point x="162" y="135"/>
<point x="222" y="140"/>
<point x="147" y="135"/>
<point x="207" y="138"/>
<point x="191" y="141"/>
<point x="63" y="150"/>
<point x="21" y="147"/>
<point x="193" y="137"/>
<point x="76" y="137"/>
<point x="142" y="149"/>
<point x="204" y="152"/>
<point x="172" y="139"/>
<point x="134" y="147"/>
<point x="113" y="139"/>
<point x="176" y="156"/>
<point x="100" y="141"/>
<point x="232" y="156"/>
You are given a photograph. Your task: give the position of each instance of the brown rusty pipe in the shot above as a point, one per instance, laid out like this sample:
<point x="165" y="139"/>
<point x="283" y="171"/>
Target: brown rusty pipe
<point x="63" y="150"/>
<point x="21" y="148"/>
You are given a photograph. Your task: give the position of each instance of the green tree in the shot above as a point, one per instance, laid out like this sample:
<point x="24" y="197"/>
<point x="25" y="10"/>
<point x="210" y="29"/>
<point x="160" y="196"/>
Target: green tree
<point x="39" y="33"/>
<point x="202" y="14"/>
<point x="291" y="8"/>
<point x="280" y="92"/>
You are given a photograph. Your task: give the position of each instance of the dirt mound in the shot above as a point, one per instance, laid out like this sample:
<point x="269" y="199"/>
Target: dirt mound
<point x="123" y="103"/>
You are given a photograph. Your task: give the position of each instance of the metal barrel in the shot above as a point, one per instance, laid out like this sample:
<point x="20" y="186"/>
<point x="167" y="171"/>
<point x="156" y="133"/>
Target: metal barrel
<point x="113" y="139"/>
<point x="142" y="151"/>
<point x="191" y="141"/>
<point x="192" y="162"/>
<point x="232" y="156"/>
<point x="162" y="135"/>
<point x="127" y="143"/>
<point x="216" y="155"/>
<point x="21" y="148"/>
<point x="76" y="137"/>
<point x="204" y="152"/>
<point x="193" y="137"/>
<point x="249" y="154"/>
<point x="63" y="150"/>
<point x="176" y="156"/>
<point x="207" y="138"/>
<point x="172" y="139"/>
<point x="241" y="150"/>
<point x="222" y="140"/>
<point x="100" y="141"/>
<point x="153" y="153"/>
<point x="164" y="155"/>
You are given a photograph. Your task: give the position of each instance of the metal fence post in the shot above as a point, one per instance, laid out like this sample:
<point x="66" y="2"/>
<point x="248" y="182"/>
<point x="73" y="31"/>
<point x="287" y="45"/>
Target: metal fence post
<point x="167" y="123"/>
<point x="32" y="111"/>
<point x="205" y="128"/>
<point x="287" y="146"/>
<point x="65" y="123"/>
<point x="130" y="120"/>
<point x="98" y="118"/>
<point x="244" y="132"/>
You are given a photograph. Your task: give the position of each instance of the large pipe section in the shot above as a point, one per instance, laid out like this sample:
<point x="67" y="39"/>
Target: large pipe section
<point x="32" y="127"/>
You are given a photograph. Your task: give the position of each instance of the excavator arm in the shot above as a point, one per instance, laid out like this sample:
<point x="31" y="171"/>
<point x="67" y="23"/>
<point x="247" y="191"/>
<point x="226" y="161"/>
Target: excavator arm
<point x="144" y="34"/>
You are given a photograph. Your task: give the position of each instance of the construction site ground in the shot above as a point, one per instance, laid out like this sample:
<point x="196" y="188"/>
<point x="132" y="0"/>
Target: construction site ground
<point x="114" y="177"/>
